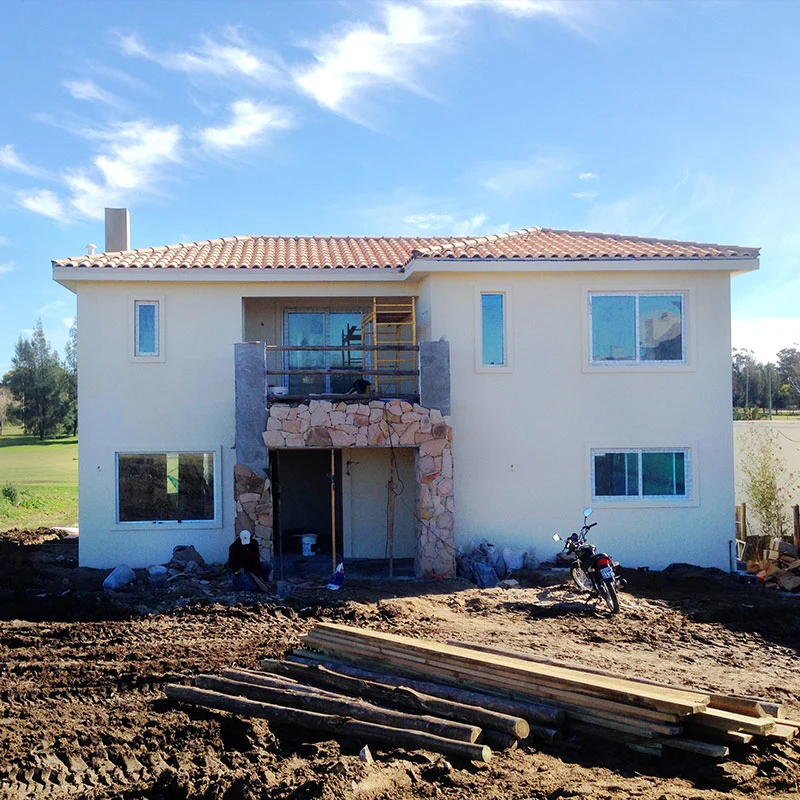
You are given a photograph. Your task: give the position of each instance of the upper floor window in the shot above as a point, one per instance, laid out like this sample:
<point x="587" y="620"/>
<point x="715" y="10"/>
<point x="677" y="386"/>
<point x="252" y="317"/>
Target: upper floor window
<point x="493" y="326"/>
<point x="640" y="473"/>
<point x="637" y="327"/>
<point x="146" y="328"/>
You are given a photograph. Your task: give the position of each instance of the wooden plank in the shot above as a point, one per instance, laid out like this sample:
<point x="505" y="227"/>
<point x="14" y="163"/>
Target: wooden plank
<point x="421" y="662"/>
<point x="512" y="687"/>
<point x="694" y="746"/>
<point x="748" y="706"/>
<point x="332" y="348"/>
<point x="518" y="665"/>
<point x="534" y="713"/>
<point x="611" y="724"/>
<point x="336" y="725"/>
<point x="725" y="720"/>
<point x="430" y="653"/>
<point x="783" y="731"/>
<point x="407" y="698"/>
<point x="326" y="703"/>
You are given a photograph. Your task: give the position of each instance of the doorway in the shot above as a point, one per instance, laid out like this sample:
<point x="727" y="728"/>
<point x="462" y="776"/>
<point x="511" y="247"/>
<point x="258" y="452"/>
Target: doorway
<point x="307" y="496"/>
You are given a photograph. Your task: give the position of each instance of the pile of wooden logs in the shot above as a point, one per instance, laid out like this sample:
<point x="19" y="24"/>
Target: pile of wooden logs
<point x="645" y="715"/>
<point x="463" y="699"/>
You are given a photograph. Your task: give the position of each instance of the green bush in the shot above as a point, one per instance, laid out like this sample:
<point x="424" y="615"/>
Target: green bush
<point x="10" y="493"/>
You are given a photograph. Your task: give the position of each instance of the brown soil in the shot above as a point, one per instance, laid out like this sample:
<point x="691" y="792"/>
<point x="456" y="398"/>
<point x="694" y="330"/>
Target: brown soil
<point x="83" y="714"/>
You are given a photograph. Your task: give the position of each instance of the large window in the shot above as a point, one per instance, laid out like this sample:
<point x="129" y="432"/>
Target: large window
<point x="636" y="328"/>
<point x="165" y="487"/>
<point x="146" y="328"/>
<point x="323" y="328"/>
<point x="493" y="344"/>
<point x="640" y="473"/>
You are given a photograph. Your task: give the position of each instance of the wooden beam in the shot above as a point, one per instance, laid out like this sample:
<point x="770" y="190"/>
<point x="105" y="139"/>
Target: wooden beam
<point x="407" y="698"/>
<point x="325" y="703"/>
<point x="328" y="723"/>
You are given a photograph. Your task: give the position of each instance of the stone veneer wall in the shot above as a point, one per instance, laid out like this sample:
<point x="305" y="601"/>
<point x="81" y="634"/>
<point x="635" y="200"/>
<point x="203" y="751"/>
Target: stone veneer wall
<point x="392" y="423"/>
<point x="253" y="493"/>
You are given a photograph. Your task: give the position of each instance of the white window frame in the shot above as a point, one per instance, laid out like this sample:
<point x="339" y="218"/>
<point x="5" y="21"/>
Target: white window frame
<point x="508" y="350"/>
<point x="637" y="363"/>
<point x="215" y="522"/>
<point x="133" y="332"/>
<point x="689" y="498"/>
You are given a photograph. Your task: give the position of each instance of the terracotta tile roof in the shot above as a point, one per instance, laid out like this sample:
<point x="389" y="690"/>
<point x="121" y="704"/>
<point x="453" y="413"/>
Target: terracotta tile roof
<point x="394" y="252"/>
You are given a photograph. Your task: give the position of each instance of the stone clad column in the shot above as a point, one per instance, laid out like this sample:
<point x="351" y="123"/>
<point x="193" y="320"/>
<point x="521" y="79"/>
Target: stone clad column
<point x="251" y="487"/>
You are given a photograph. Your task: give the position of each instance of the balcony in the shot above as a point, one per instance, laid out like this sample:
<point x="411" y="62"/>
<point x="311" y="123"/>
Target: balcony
<point x="347" y="372"/>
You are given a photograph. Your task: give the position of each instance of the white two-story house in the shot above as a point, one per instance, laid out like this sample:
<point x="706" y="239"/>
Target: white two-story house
<point x="396" y="397"/>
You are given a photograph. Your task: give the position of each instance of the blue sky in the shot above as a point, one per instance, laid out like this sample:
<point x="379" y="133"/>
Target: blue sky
<point x="207" y="119"/>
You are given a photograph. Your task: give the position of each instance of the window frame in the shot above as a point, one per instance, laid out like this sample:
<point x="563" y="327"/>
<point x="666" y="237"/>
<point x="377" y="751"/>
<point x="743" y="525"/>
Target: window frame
<point x="135" y="303"/>
<point x="214" y="522"/>
<point x="327" y="311"/>
<point x="689" y="497"/>
<point x="638" y="363"/>
<point x="508" y="350"/>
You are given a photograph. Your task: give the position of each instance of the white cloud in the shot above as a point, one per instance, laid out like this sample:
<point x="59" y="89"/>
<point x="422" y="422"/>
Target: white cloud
<point x="89" y="90"/>
<point x="43" y="201"/>
<point x="432" y="224"/>
<point x="587" y="176"/>
<point x="518" y="177"/>
<point x="359" y="56"/>
<point x="577" y="15"/>
<point x="132" y="159"/>
<point x="765" y="336"/>
<point x="7" y="267"/>
<point x="250" y="123"/>
<point x="585" y="195"/>
<point x="51" y="308"/>
<point x="232" y="56"/>
<point x="11" y="161"/>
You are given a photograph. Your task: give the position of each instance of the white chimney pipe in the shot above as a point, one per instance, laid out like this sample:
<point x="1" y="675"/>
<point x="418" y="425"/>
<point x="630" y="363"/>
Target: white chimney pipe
<point x="118" y="230"/>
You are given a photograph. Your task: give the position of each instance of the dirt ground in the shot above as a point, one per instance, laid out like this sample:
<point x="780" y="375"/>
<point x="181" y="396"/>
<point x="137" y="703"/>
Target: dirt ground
<point x="83" y="714"/>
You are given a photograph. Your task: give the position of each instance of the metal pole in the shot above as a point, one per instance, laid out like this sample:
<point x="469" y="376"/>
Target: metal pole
<point x="391" y="514"/>
<point x="333" y="507"/>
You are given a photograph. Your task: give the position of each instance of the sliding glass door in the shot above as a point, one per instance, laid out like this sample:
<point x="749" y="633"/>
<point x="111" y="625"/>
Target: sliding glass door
<point x="315" y="329"/>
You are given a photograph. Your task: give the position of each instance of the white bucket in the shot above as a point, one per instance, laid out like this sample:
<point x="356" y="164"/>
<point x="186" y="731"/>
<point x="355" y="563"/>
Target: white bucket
<point x="309" y="542"/>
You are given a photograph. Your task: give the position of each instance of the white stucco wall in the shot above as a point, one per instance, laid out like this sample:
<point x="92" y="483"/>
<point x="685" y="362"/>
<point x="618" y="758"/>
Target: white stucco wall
<point x="522" y="438"/>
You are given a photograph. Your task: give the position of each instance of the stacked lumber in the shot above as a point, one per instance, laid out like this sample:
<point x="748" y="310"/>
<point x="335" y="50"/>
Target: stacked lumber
<point x="373" y="708"/>
<point x="647" y="716"/>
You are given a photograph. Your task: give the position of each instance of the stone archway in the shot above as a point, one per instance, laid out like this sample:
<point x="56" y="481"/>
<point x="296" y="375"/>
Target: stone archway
<point x="379" y="423"/>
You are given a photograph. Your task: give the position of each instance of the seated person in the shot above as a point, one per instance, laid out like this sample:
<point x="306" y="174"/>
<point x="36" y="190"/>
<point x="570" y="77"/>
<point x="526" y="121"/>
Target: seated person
<point x="244" y="561"/>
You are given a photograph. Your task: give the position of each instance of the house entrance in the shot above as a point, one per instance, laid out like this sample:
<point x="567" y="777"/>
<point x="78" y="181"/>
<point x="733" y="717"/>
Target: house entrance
<point x="364" y="515"/>
<point x="307" y="497"/>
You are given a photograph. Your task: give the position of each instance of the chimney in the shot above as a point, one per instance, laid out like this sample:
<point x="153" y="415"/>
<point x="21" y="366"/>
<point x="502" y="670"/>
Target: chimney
<point x="118" y="229"/>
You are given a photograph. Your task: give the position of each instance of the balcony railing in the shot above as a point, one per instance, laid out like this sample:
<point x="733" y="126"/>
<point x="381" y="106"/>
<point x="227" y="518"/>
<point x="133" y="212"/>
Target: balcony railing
<point x="335" y="372"/>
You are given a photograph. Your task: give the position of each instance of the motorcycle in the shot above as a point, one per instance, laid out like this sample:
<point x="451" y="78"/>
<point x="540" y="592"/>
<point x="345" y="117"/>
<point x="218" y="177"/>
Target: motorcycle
<point x="591" y="571"/>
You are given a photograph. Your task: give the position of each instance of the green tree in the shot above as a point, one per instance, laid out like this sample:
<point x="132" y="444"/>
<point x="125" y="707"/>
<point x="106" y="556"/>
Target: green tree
<point x="37" y="381"/>
<point x="768" y="483"/>
<point x="789" y="372"/>
<point x="6" y="401"/>
<point x="71" y="380"/>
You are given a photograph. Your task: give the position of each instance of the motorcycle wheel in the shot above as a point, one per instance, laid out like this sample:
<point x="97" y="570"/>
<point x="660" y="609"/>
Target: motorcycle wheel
<point x="609" y="594"/>
<point x="580" y="578"/>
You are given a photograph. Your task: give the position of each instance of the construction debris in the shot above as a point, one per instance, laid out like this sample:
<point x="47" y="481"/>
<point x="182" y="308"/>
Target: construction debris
<point x="463" y="700"/>
<point x="779" y="567"/>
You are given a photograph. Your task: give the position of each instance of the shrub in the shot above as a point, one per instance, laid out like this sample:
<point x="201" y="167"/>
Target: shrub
<point x="10" y="493"/>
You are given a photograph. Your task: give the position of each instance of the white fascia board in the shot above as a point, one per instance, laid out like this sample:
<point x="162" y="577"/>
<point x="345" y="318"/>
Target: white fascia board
<point x="419" y="267"/>
<point x="69" y="276"/>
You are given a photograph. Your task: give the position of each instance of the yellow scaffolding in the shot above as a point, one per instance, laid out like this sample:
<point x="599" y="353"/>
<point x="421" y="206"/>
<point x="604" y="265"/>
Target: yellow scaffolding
<point x="392" y="324"/>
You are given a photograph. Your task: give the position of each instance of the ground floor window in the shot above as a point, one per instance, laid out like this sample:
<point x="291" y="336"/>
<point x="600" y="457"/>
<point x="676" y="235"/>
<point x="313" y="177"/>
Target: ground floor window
<point x="640" y="473"/>
<point x="165" y="487"/>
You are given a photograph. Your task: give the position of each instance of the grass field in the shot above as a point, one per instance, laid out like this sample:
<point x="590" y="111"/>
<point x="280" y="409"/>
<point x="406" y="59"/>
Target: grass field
<point x="38" y="481"/>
